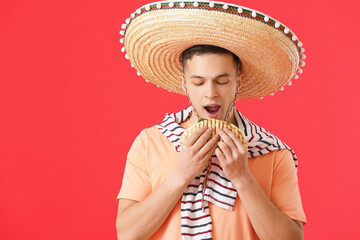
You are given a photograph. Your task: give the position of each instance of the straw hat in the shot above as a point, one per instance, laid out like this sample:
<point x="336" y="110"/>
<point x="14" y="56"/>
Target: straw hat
<point x="156" y="34"/>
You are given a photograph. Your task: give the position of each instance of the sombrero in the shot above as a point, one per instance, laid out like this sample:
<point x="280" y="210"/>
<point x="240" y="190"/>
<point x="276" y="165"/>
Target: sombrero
<point x="156" y="35"/>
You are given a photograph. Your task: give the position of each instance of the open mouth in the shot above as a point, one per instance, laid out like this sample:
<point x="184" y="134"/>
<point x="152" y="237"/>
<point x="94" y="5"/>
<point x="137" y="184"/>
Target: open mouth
<point x="212" y="110"/>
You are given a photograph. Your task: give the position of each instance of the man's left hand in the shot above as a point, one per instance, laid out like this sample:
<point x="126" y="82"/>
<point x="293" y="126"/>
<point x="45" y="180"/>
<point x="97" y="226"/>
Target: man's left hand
<point x="232" y="155"/>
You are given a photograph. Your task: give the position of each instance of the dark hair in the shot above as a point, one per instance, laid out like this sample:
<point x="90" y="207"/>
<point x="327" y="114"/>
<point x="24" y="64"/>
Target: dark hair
<point x="204" y="49"/>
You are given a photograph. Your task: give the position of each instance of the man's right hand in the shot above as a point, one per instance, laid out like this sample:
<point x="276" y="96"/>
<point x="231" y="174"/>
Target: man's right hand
<point x="195" y="153"/>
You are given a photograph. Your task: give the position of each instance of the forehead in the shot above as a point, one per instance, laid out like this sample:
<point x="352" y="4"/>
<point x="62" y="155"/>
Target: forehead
<point x="211" y="64"/>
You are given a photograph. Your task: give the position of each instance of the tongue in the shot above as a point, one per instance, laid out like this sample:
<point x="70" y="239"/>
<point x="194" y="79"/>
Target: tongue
<point x="212" y="109"/>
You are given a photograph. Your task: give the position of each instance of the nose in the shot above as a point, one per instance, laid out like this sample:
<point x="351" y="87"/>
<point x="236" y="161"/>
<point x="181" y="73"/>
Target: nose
<point x="211" y="90"/>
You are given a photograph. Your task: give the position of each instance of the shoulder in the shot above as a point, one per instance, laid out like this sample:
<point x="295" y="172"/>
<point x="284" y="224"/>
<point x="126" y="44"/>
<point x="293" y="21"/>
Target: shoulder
<point x="141" y="140"/>
<point x="149" y="133"/>
<point x="150" y="136"/>
<point x="275" y="156"/>
<point x="272" y="162"/>
<point x="271" y="167"/>
<point x="284" y="159"/>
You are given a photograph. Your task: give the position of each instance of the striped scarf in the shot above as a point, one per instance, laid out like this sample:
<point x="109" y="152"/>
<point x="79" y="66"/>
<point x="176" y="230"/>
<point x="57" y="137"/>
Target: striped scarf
<point x="219" y="190"/>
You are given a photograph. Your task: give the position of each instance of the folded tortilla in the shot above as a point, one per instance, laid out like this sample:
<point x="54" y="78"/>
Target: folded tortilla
<point x="216" y="124"/>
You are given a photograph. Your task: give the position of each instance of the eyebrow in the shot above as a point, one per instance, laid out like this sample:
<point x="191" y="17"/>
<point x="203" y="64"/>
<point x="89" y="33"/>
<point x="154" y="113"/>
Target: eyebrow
<point x="219" y="76"/>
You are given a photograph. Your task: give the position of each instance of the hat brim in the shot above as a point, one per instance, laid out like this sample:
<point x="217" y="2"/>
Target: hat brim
<point x="156" y="39"/>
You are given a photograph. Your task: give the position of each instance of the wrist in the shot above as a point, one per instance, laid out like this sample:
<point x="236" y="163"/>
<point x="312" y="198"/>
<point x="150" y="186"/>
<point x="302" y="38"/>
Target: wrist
<point x="244" y="179"/>
<point x="178" y="180"/>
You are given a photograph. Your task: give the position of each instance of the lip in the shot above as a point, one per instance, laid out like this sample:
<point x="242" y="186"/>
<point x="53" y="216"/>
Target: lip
<point x="212" y="115"/>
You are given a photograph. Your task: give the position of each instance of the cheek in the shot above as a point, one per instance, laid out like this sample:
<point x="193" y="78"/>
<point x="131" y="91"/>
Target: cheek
<point x="194" y="94"/>
<point x="233" y="92"/>
<point x="230" y="91"/>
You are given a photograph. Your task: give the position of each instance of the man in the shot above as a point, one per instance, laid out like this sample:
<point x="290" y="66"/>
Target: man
<point x="162" y="184"/>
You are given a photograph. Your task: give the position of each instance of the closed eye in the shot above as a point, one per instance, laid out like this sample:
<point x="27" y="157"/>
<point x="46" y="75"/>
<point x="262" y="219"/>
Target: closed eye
<point x="222" y="80"/>
<point x="222" y="83"/>
<point x="198" y="81"/>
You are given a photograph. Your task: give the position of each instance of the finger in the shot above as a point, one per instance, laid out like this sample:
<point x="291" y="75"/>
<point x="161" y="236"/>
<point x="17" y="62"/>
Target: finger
<point x="208" y="146"/>
<point x="227" y="139"/>
<point x="200" y="142"/>
<point x="225" y="149"/>
<point x="195" y="136"/>
<point x="220" y="155"/>
<point x="238" y="143"/>
<point x="210" y="152"/>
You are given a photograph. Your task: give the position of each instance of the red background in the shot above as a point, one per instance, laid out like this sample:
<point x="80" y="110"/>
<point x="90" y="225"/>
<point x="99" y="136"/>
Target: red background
<point x="70" y="107"/>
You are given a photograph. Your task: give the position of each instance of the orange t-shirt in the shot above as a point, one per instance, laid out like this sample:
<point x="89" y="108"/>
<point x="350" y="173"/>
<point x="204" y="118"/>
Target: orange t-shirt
<point x="152" y="157"/>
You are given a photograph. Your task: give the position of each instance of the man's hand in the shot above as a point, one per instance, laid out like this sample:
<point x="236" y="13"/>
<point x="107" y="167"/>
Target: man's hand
<point x="268" y="221"/>
<point x="194" y="155"/>
<point x="196" y="152"/>
<point x="232" y="155"/>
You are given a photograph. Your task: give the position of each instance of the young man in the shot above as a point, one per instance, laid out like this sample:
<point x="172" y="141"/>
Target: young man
<point x="252" y="192"/>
